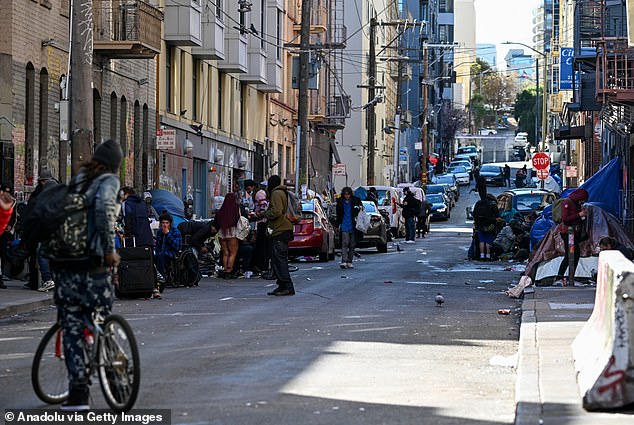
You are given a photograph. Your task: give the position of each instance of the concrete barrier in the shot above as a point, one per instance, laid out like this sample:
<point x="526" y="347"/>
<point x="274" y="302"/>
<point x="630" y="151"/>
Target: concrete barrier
<point x="604" y="349"/>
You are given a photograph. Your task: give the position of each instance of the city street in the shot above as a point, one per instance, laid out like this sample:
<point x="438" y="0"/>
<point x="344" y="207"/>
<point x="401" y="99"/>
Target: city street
<point x="361" y="346"/>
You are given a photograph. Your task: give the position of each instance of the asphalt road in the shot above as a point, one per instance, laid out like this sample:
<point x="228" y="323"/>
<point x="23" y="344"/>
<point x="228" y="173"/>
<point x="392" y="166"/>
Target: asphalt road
<point x="362" y="346"/>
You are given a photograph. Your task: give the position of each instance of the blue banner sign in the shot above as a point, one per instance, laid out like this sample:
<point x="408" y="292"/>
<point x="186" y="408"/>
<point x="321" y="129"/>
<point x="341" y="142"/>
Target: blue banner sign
<point x="565" y="68"/>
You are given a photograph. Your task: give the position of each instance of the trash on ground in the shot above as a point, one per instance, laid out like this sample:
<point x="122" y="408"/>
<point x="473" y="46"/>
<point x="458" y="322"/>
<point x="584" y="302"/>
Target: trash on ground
<point x="487" y="281"/>
<point x="504" y="311"/>
<point x="387" y="281"/>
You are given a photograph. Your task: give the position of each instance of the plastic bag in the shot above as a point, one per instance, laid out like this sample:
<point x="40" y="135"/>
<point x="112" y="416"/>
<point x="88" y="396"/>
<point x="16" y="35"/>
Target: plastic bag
<point x="363" y="221"/>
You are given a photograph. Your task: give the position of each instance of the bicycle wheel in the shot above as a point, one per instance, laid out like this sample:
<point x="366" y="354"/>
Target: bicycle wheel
<point x="119" y="368"/>
<point x="49" y="376"/>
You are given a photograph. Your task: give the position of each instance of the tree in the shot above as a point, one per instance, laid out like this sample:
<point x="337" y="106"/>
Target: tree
<point x="492" y="92"/>
<point x="525" y="113"/>
<point x="452" y="121"/>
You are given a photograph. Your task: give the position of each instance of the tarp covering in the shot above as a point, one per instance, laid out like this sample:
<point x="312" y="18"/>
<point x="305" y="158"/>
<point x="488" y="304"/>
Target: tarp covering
<point x="165" y="200"/>
<point x="601" y="224"/>
<point x="605" y="187"/>
<point x="542" y="225"/>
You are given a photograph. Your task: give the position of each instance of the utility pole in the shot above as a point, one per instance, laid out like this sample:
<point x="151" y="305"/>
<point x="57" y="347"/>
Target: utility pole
<point x="397" y="124"/>
<point x="301" y="173"/>
<point x="81" y="104"/>
<point x="371" y="115"/>
<point x="424" y="126"/>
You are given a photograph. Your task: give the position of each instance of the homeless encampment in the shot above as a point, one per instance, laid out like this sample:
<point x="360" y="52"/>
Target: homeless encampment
<point x="544" y="261"/>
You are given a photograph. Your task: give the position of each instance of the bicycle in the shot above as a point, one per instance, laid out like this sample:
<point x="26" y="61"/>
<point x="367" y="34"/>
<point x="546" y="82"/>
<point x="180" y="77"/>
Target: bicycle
<point x="110" y="351"/>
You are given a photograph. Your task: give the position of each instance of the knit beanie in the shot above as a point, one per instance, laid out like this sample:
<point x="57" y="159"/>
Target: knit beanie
<point x="109" y="154"/>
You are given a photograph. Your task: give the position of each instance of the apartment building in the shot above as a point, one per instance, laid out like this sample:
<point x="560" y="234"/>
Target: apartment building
<point x="34" y="58"/>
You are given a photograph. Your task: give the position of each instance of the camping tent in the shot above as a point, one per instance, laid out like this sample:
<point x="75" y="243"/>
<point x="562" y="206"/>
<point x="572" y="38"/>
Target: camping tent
<point x="546" y="257"/>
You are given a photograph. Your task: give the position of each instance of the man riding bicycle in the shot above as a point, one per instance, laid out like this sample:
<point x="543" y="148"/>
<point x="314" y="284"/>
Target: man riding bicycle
<point x="83" y="287"/>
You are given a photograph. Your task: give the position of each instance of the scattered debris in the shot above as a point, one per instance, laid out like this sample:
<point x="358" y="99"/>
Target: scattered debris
<point x="487" y="281"/>
<point x="504" y="311"/>
<point x="387" y="281"/>
<point x="440" y="300"/>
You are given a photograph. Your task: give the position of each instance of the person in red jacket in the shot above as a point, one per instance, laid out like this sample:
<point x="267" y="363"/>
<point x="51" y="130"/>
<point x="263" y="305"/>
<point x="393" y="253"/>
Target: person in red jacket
<point x="6" y="209"/>
<point x="572" y="215"/>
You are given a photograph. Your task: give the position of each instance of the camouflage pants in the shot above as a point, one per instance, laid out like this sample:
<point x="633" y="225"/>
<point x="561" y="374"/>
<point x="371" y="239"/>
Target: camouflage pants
<point x="77" y="295"/>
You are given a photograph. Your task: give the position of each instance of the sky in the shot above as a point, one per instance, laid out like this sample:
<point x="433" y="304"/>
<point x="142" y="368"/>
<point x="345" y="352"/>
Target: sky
<point x="498" y="21"/>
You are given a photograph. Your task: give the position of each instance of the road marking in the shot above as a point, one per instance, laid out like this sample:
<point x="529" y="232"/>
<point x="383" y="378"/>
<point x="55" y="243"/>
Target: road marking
<point x="428" y="283"/>
<point x="15" y="356"/>
<point x="387" y="328"/>
<point x="15" y="338"/>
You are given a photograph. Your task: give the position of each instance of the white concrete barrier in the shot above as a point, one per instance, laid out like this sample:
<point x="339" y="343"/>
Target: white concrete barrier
<point x="604" y="349"/>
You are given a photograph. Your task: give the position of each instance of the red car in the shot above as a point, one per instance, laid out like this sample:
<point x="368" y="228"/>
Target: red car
<point x="314" y="235"/>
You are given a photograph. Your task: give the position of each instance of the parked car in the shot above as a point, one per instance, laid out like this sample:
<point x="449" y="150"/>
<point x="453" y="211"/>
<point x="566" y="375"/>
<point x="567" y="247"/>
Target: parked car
<point x="470" y="150"/>
<point x="449" y="179"/>
<point x="442" y="189"/>
<point x="525" y="200"/>
<point x="439" y="208"/>
<point x="314" y="234"/>
<point x="465" y="163"/>
<point x="521" y="137"/>
<point x="461" y="173"/>
<point x="487" y="131"/>
<point x="377" y="234"/>
<point x="493" y="174"/>
<point x="464" y="157"/>
<point x="388" y="202"/>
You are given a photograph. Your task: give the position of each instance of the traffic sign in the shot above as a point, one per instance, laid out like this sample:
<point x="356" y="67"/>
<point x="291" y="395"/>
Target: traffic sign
<point x="542" y="174"/>
<point x="541" y="161"/>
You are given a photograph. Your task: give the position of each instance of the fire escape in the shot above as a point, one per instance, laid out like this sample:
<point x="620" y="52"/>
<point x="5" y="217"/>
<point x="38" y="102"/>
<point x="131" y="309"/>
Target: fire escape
<point x="126" y="29"/>
<point x="337" y="102"/>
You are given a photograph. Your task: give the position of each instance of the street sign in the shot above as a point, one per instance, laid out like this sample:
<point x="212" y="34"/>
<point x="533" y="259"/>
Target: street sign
<point x="339" y="170"/>
<point x="418" y="146"/>
<point x="541" y="161"/>
<point x="571" y="171"/>
<point x="542" y="174"/>
<point x="165" y="139"/>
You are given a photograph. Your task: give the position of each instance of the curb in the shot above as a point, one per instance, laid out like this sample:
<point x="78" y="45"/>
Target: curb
<point x="24" y="308"/>
<point x="528" y="404"/>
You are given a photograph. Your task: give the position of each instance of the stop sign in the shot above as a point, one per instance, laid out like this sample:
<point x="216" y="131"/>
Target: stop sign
<point x="541" y="161"/>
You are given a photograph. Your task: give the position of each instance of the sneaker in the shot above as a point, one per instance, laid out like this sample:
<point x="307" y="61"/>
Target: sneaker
<point x="78" y="399"/>
<point x="47" y="286"/>
<point x="156" y="295"/>
<point x="343" y="265"/>
<point x="559" y="282"/>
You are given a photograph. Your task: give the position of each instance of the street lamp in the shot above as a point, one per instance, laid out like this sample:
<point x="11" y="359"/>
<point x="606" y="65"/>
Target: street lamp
<point x="544" y="82"/>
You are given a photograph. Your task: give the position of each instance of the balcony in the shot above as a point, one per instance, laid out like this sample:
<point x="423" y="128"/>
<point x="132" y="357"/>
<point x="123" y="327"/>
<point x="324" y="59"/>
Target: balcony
<point x="183" y="22"/>
<point x="615" y="71"/>
<point x="213" y="36"/>
<point x="337" y="110"/>
<point x="318" y="19"/>
<point x="129" y="31"/>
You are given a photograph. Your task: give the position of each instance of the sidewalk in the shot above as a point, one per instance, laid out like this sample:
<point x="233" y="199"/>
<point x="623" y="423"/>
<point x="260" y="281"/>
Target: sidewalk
<point x="15" y="299"/>
<point x="546" y="389"/>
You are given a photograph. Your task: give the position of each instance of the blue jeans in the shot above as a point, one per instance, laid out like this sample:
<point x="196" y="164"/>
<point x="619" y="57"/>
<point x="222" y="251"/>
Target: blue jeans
<point x="410" y="228"/>
<point x="45" y="270"/>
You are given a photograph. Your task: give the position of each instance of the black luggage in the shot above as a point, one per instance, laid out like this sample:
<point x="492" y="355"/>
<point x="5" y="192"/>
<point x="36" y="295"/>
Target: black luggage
<point x="137" y="276"/>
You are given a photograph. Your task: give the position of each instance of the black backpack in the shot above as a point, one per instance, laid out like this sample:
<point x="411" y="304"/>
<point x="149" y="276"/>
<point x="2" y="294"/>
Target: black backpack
<point x="483" y="212"/>
<point x="58" y="220"/>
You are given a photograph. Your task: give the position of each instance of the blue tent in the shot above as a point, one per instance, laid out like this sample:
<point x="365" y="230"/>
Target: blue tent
<point x="165" y="200"/>
<point x="606" y="186"/>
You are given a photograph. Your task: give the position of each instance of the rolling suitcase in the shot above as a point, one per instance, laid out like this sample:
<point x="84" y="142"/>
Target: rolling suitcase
<point x="136" y="273"/>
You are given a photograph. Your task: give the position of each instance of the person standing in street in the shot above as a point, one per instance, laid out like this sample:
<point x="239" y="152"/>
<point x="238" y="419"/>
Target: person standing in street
<point x="485" y="214"/>
<point x="86" y="286"/>
<point x="227" y="219"/>
<point x="280" y="230"/>
<point x="411" y="208"/>
<point x="507" y="175"/>
<point x="572" y="215"/>
<point x="348" y="208"/>
<point x="45" y="181"/>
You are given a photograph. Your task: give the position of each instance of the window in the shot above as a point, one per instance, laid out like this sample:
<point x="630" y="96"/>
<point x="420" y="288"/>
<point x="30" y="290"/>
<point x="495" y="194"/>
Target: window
<point x="445" y="6"/>
<point x="138" y="148"/>
<point x="96" y="112"/>
<point x="196" y="63"/>
<point x="280" y="150"/>
<point x="445" y="33"/>
<point x="29" y="123"/>
<point x="288" y="160"/>
<point x="181" y="94"/>
<point x="168" y="79"/>
<point x="145" y="146"/>
<point x="221" y="77"/>
<point x="244" y="98"/>
<point x="262" y="23"/>
<point x="219" y="11"/>
<point x="113" y="116"/>
<point x="278" y="36"/>
<point x="123" y="130"/>
<point x="43" y="124"/>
